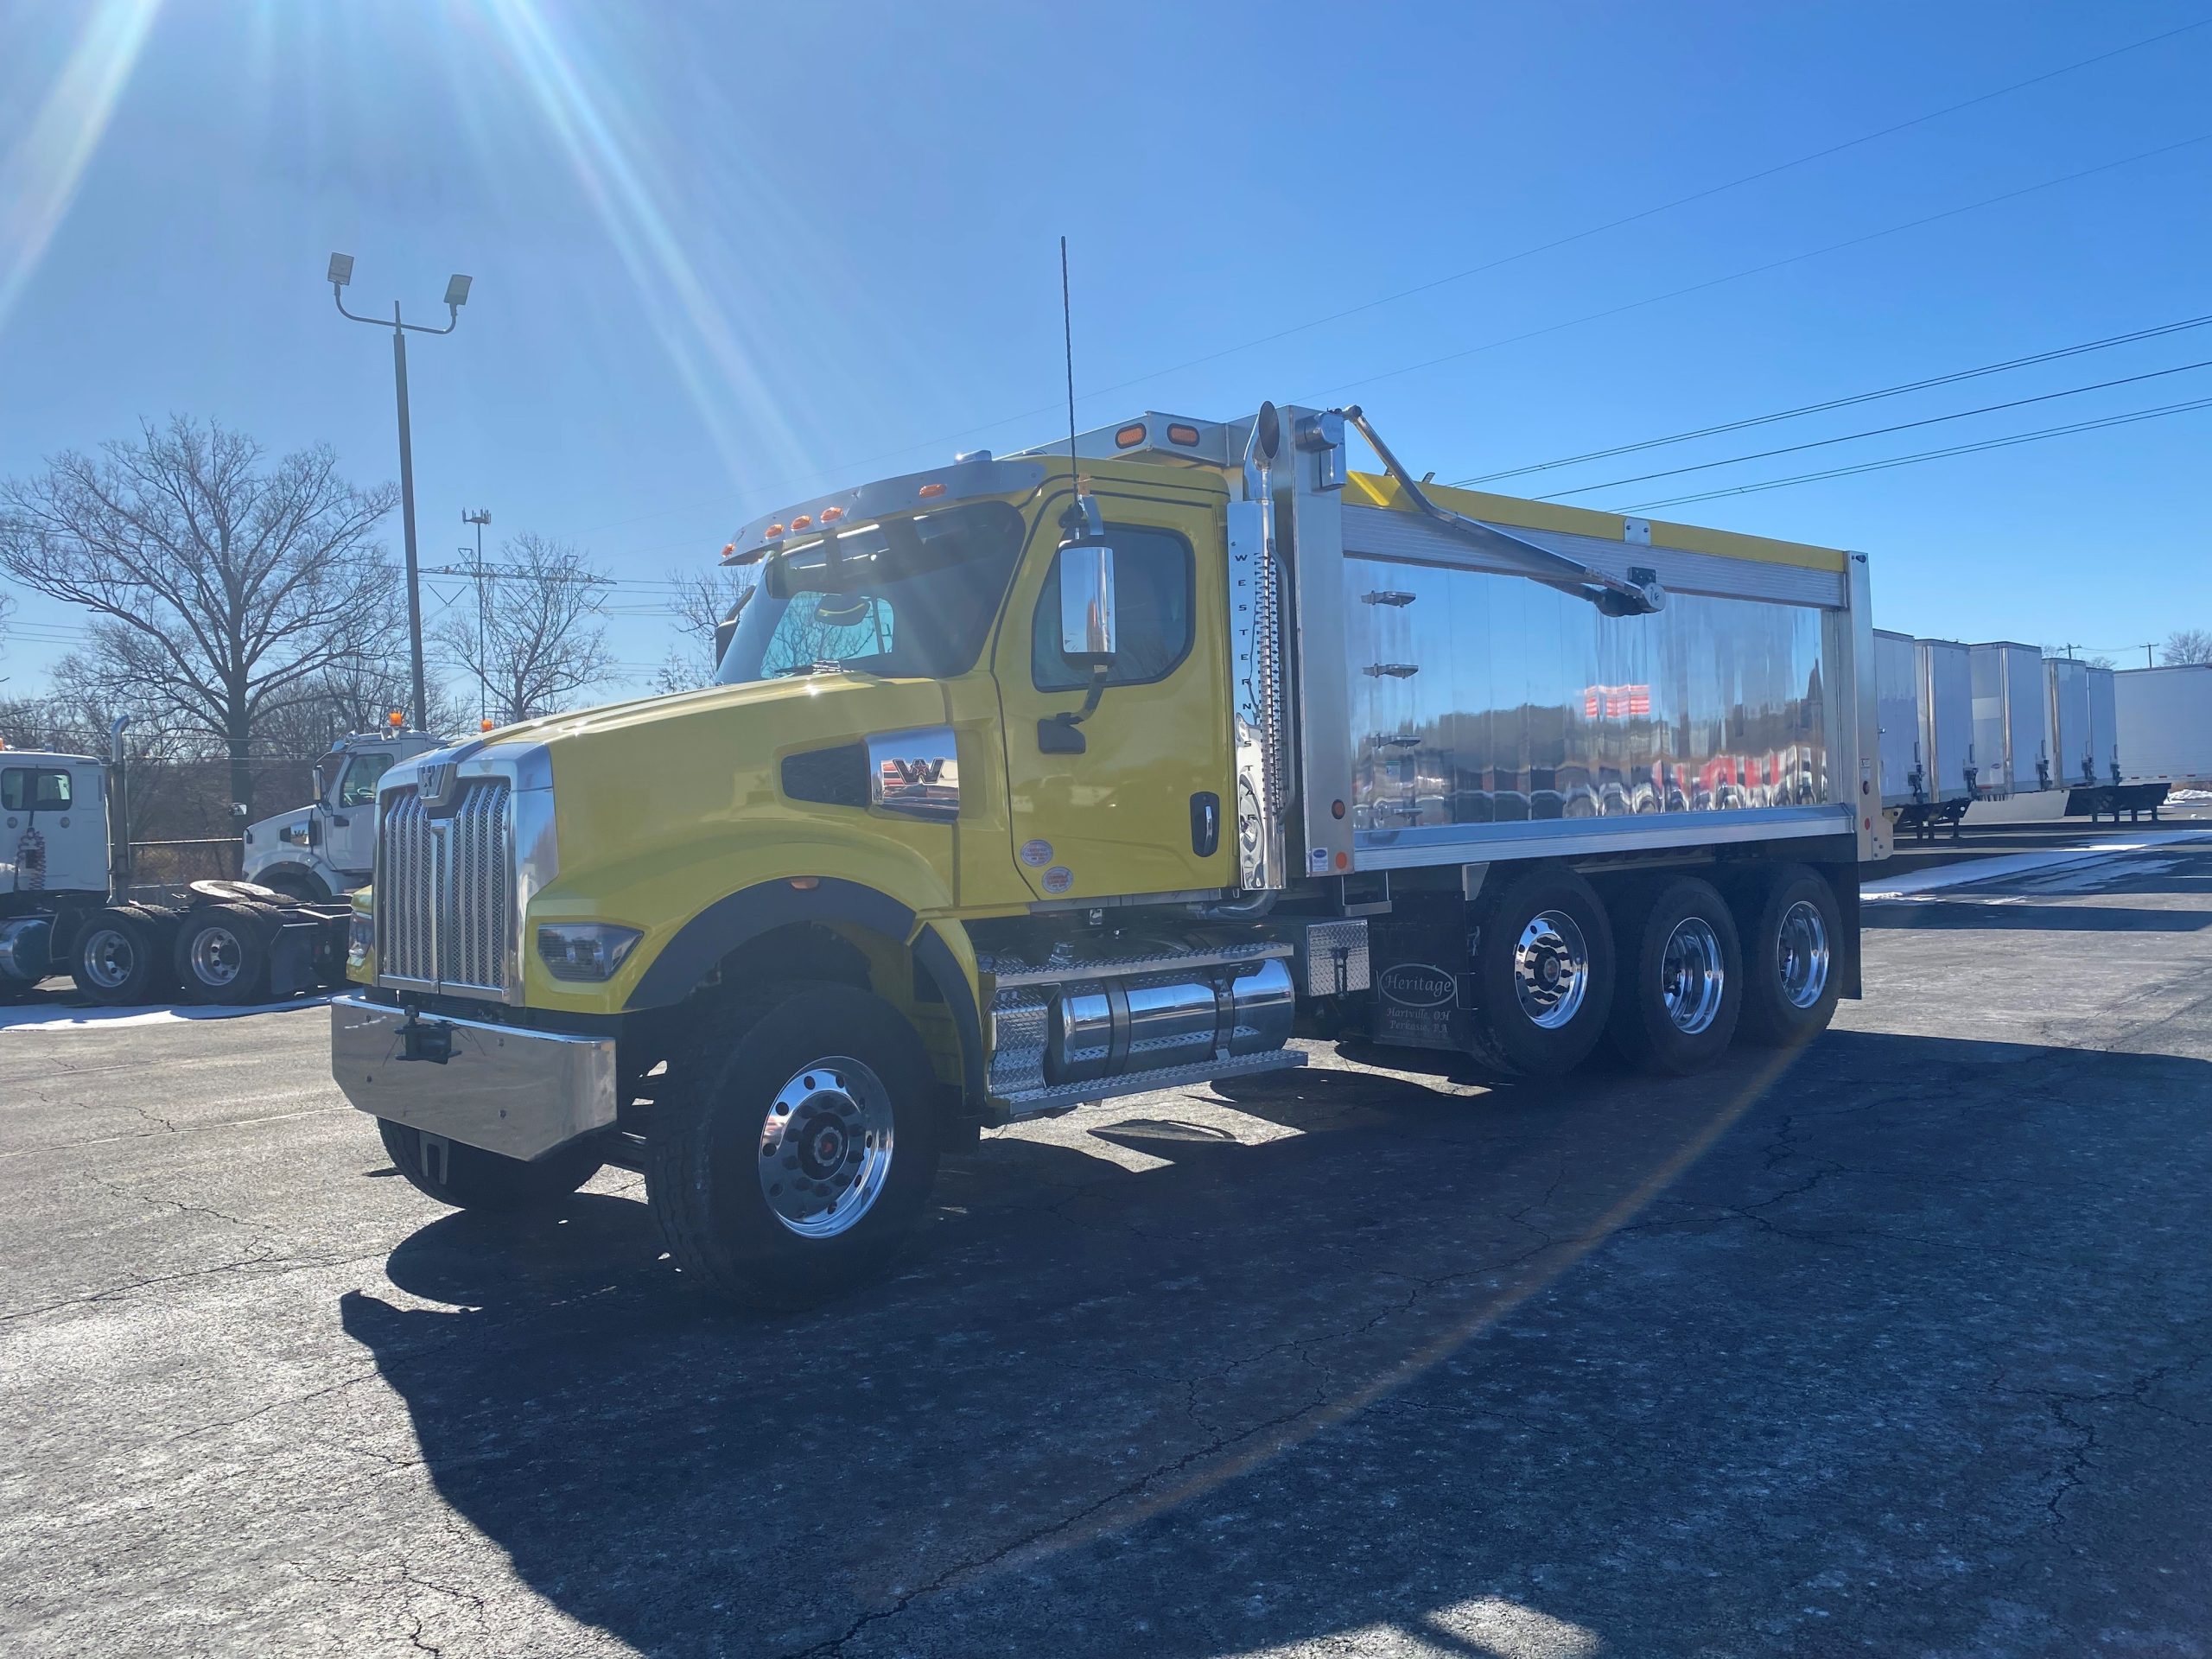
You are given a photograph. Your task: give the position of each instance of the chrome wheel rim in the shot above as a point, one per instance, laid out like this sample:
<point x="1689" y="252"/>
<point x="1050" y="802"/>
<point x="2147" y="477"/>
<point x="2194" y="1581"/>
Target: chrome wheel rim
<point x="111" y="956"/>
<point x="216" y="957"/>
<point x="825" y="1146"/>
<point x="1692" y="978"/>
<point x="1551" y="969"/>
<point x="1804" y="953"/>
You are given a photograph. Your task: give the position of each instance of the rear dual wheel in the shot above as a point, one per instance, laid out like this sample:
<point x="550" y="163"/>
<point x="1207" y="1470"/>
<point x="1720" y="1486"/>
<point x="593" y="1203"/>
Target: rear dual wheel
<point x="222" y="954"/>
<point x="1543" y="967"/>
<point x="120" y="959"/>
<point x="1669" y="973"/>
<point x="1681" y="990"/>
<point x="1793" y="931"/>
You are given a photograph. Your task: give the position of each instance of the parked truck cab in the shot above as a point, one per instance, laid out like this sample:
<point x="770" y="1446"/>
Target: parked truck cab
<point x="327" y="846"/>
<point x="1033" y="780"/>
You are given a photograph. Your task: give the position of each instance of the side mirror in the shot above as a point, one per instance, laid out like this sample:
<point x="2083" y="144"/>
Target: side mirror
<point x="1087" y="636"/>
<point x="726" y="630"/>
<point x="321" y="786"/>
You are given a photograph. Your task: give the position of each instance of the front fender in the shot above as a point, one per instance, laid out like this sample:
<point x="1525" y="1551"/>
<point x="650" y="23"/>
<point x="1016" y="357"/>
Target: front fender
<point x="730" y="922"/>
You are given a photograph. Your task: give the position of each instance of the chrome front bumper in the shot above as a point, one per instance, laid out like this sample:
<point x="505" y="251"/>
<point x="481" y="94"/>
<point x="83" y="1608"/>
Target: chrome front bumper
<point x="521" y="1093"/>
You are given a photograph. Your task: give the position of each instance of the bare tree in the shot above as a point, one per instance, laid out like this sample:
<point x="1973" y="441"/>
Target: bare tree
<point x="220" y="585"/>
<point x="701" y="601"/>
<point x="356" y="697"/>
<point x="543" y="638"/>
<point x="2187" y="645"/>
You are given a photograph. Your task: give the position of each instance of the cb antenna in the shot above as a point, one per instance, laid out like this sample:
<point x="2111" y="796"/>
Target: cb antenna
<point x="1067" y="339"/>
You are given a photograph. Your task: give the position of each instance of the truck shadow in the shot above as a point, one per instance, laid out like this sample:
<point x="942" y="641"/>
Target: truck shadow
<point x="1418" y="1358"/>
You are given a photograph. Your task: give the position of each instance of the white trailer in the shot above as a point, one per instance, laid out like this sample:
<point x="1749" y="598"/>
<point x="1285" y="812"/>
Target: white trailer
<point x="2011" y="720"/>
<point x="1897" y="703"/>
<point x="2163" y="720"/>
<point x="1943" y="680"/>
<point x="2073" y="749"/>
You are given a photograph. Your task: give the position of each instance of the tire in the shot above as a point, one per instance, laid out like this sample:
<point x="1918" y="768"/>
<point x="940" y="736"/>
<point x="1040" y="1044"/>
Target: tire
<point x="1543" y="970"/>
<point x="469" y="1178"/>
<point x="1680" y="992"/>
<point x="116" y="958"/>
<point x="827" y="1080"/>
<point x="1791" y="929"/>
<point x="303" y="886"/>
<point x="222" y="955"/>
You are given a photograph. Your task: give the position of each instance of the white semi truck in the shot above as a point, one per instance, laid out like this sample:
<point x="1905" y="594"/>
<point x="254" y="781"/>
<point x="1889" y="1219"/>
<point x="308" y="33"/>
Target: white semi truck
<point x="65" y="904"/>
<point x="327" y="846"/>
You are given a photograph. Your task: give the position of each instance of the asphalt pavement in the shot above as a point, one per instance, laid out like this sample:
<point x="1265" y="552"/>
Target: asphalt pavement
<point x="1894" y="1347"/>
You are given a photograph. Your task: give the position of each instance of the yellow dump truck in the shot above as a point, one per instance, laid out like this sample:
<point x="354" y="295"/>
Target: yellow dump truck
<point x="1112" y="765"/>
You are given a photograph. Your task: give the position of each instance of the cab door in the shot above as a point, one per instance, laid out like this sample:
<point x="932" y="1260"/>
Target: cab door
<point x="350" y="837"/>
<point x="1142" y="808"/>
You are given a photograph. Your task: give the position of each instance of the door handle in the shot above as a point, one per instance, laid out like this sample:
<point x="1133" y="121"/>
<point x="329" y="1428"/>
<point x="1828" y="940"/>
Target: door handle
<point x="1205" y="823"/>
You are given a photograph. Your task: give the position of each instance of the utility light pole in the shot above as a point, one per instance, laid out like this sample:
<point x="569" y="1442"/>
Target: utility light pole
<point x="341" y="274"/>
<point x="481" y="517"/>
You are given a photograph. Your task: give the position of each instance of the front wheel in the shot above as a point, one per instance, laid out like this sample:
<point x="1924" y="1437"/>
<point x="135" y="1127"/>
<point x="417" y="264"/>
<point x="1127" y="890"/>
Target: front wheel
<point x="790" y="1165"/>
<point x="1792" y="931"/>
<point x="469" y="1178"/>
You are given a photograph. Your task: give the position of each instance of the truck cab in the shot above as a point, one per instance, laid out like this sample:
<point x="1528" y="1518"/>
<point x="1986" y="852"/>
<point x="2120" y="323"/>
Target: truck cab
<point x="327" y="846"/>
<point x="53" y="832"/>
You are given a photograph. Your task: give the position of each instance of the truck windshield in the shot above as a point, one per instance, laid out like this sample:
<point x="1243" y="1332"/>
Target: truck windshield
<point x="906" y="598"/>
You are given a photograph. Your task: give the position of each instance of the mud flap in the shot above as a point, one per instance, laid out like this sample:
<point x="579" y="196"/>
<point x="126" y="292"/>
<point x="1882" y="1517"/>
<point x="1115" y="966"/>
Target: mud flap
<point x="1424" y="994"/>
<point x="291" y="959"/>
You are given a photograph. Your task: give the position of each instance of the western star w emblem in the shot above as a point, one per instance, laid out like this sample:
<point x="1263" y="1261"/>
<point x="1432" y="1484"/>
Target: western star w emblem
<point x="918" y="771"/>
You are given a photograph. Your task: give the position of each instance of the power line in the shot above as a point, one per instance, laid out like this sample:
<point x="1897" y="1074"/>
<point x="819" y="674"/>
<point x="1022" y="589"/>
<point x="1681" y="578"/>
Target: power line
<point x="1931" y="455"/>
<point x="1879" y="431"/>
<point x="1617" y="223"/>
<point x="1772" y="265"/>
<point x="1844" y="402"/>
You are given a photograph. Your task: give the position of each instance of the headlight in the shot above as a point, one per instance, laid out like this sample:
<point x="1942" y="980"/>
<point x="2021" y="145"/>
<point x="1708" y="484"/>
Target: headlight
<point x="589" y="950"/>
<point x="360" y="940"/>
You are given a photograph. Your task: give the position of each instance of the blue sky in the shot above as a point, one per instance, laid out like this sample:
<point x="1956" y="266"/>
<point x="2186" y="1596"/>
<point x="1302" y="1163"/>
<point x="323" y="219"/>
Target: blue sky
<point x="726" y="256"/>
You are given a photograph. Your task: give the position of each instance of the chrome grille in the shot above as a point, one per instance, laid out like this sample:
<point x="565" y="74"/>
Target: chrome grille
<point x="445" y="890"/>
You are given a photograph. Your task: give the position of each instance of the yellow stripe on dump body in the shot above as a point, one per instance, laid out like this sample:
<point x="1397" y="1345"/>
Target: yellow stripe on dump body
<point x="1372" y="490"/>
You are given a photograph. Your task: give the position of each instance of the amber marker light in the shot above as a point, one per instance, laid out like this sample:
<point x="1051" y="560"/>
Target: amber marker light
<point x="831" y="515"/>
<point x="1185" y="435"/>
<point x="1129" y="437"/>
<point x="930" y="492"/>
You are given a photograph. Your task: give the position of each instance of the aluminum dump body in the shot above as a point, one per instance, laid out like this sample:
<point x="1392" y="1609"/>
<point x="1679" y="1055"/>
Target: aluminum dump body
<point x="1943" y="681"/>
<point x="1487" y="715"/>
<point x="1897" y="704"/>
<point x="2011" y="714"/>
